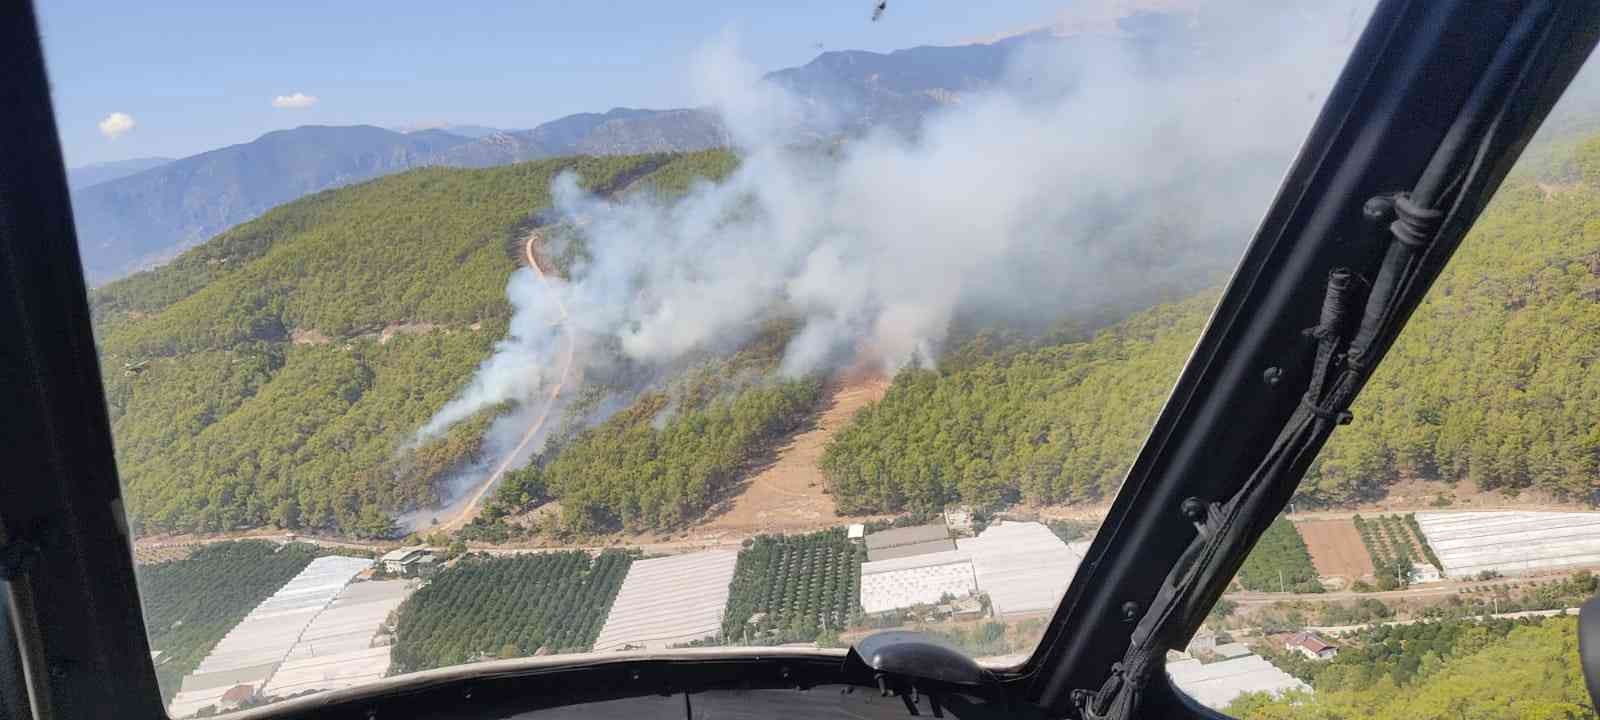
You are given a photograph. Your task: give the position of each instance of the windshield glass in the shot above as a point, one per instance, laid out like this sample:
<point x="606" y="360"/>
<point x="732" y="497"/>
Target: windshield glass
<point x="1434" y="557"/>
<point x="424" y="346"/>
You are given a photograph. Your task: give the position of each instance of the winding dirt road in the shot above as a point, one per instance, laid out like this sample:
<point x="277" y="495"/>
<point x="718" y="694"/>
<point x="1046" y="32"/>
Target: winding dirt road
<point x="469" y="510"/>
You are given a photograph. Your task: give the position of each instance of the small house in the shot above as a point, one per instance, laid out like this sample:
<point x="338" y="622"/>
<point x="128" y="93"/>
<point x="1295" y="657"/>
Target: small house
<point x="1311" y="645"/>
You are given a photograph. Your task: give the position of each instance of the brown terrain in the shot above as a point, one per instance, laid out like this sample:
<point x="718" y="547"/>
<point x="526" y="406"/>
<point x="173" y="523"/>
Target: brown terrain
<point x="1336" y="548"/>
<point x="785" y="493"/>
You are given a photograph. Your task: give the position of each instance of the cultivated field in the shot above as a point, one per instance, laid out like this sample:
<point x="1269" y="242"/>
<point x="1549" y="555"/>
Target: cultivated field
<point x="1336" y="548"/>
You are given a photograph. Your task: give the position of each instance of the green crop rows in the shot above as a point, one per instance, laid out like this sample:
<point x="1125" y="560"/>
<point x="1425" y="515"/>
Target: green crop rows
<point x="508" y="607"/>
<point x="1280" y="562"/>
<point x="1393" y="552"/>
<point x="793" y="588"/>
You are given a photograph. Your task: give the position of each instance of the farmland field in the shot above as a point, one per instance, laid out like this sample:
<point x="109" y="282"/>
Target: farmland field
<point x="1280" y="562"/>
<point x="797" y="587"/>
<point x="508" y="607"/>
<point x="1391" y="548"/>
<point x="1336" y="548"/>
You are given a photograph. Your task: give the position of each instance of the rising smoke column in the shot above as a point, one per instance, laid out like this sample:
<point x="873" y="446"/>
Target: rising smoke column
<point x="1100" y="168"/>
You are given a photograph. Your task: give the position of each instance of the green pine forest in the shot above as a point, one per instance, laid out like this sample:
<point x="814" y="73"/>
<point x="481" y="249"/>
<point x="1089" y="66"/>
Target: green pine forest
<point x="275" y="375"/>
<point x="1438" y="671"/>
<point x="251" y="381"/>
<point x="1493" y="383"/>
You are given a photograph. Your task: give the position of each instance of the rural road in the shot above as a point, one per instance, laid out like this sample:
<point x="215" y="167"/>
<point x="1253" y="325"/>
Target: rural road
<point x="469" y="510"/>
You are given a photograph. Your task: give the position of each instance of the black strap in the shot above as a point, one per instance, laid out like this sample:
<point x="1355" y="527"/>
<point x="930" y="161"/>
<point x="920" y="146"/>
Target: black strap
<point x="1414" y="225"/>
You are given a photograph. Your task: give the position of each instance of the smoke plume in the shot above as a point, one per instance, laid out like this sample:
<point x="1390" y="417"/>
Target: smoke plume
<point x="1101" y="169"/>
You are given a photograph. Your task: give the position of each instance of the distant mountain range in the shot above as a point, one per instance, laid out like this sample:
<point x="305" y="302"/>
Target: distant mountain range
<point x="143" y="219"/>
<point x="95" y="173"/>
<point x="139" y="213"/>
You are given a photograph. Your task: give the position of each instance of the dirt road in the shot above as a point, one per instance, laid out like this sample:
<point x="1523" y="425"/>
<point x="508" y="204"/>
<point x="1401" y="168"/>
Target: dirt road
<point x="469" y="510"/>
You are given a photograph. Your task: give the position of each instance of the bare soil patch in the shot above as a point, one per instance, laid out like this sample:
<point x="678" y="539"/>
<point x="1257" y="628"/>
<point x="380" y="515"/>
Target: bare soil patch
<point x="304" y="336"/>
<point x="786" y="493"/>
<point x="1336" y="548"/>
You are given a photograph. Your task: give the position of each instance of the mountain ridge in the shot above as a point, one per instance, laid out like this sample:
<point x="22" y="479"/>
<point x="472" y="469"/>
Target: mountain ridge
<point x="146" y="218"/>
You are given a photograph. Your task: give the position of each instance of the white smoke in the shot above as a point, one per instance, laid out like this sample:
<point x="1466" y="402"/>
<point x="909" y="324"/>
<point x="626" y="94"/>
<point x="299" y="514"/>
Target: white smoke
<point x="1098" y="169"/>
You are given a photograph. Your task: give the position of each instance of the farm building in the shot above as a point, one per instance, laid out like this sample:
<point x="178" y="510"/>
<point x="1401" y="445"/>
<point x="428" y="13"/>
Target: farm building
<point x="908" y="541"/>
<point x="250" y="653"/>
<point x="1511" y="543"/>
<point x="408" y="560"/>
<point x="1311" y="645"/>
<point x="919" y="579"/>
<point x="1217" y="684"/>
<point x="670" y="601"/>
<point x="1022" y="566"/>
<point x="341" y="648"/>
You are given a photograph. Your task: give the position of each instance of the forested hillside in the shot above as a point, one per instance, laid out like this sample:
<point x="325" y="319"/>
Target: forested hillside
<point x="670" y="454"/>
<point x="1054" y="424"/>
<point x="275" y="373"/>
<point x="1493" y="383"/>
<point x="1439" y="671"/>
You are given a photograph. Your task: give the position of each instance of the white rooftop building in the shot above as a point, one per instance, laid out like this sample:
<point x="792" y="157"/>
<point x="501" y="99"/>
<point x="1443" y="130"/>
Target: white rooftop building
<point x="1021" y="566"/>
<point x="408" y="560"/>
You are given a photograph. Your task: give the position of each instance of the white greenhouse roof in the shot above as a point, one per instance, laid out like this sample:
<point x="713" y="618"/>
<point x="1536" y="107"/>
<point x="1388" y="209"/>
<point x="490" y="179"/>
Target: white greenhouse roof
<point x="669" y="601"/>
<point x="1022" y="566"/>
<point x="251" y="651"/>
<point x="336" y="651"/>
<point x="918" y="579"/>
<point x="1217" y="684"/>
<point x="1511" y="543"/>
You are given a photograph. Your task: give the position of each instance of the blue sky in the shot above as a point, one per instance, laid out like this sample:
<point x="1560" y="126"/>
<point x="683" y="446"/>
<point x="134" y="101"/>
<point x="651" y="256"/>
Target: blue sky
<point x="197" y="75"/>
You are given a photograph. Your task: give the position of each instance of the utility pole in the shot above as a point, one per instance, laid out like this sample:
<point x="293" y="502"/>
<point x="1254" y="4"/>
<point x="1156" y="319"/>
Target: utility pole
<point x="1281" y="587"/>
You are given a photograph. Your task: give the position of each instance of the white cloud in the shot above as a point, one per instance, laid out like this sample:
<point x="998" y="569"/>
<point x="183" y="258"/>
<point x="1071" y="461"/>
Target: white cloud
<point x="297" y="101"/>
<point x="116" y="125"/>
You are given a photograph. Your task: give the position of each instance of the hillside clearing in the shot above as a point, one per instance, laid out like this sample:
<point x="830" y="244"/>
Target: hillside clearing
<point x="786" y="493"/>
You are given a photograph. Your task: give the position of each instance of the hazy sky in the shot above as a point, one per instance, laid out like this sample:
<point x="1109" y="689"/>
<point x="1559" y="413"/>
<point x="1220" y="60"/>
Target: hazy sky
<point x="164" y="77"/>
